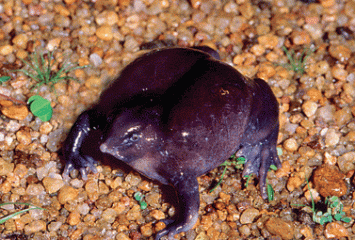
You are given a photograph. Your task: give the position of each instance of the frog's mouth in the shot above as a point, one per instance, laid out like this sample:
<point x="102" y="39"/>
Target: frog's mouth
<point x="110" y="150"/>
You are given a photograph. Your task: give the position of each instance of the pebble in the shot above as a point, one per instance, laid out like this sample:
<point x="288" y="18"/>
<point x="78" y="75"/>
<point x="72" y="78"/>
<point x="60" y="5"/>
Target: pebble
<point x="104" y="32"/>
<point x="20" y="40"/>
<point x="335" y="230"/>
<point x="280" y="228"/>
<point x="309" y="108"/>
<point x="18" y="112"/>
<point x="269" y="41"/>
<point x="340" y="52"/>
<point x="290" y="145"/>
<point x="332" y="137"/>
<point x="300" y="38"/>
<point x="24" y="137"/>
<point x="67" y="194"/>
<point x="53" y="185"/>
<point x="329" y="181"/>
<point x="35" y="226"/>
<point x="6" y="50"/>
<point x="249" y="215"/>
<point x="5" y="167"/>
<point x="346" y="162"/>
<point x="73" y="218"/>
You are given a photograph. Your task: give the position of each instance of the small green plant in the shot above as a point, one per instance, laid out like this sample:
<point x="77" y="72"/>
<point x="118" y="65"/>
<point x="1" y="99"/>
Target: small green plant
<point x="139" y="197"/>
<point x="298" y="64"/>
<point x="4" y="79"/>
<point x="334" y="209"/>
<point x="42" y="73"/>
<point x="237" y="162"/>
<point x="40" y="107"/>
<point x="32" y="207"/>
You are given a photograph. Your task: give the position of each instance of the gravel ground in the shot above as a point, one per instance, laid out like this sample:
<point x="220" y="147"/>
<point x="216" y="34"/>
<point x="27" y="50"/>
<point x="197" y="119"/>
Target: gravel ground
<point x="317" y="132"/>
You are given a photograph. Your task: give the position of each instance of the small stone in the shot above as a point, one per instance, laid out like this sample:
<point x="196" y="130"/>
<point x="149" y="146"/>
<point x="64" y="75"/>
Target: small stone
<point x="329" y="181"/>
<point x="66" y="194"/>
<point x="53" y="44"/>
<point x="290" y="145"/>
<point x="6" y="50"/>
<point x="332" y="137"/>
<point x="249" y="215"/>
<point x="45" y="128"/>
<point x="343" y="116"/>
<point x="24" y="137"/>
<point x="18" y="112"/>
<point x="5" y="167"/>
<point x="309" y="108"/>
<point x="95" y="59"/>
<point x="247" y="10"/>
<point x="147" y="230"/>
<point x="35" y="226"/>
<point x="314" y="94"/>
<point x="300" y="38"/>
<point x="340" y="52"/>
<point x="327" y="113"/>
<point x="346" y="162"/>
<point x="54" y="226"/>
<point x="104" y="32"/>
<point x="69" y="1"/>
<point x="327" y="3"/>
<point x="20" y="40"/>
<point x="266" y="71"/>
<point x="109" y="215"/>
<point x="339" y="73"/>
<point x="280" y="228"/>
<point x="35" y="189"/>
<point x="92" y="189"/>
<point x="335" y="230"/>
<point x="295" y="181"/>
<point x="157" y="214"/>
<point x="322" y="67"/>
<point x="153" y="199"/>
<point x="73" y="218"/>
<point x="134" y="213"/>
<point x="53" y="185"/>
<point x="269" y="41"/>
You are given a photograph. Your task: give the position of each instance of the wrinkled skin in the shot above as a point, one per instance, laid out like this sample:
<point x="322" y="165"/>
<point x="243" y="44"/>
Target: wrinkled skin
<point x="173" y="115"/>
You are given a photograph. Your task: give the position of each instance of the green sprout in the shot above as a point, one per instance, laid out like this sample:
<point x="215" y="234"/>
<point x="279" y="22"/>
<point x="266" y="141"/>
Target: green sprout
<point x="4" y="79"/>
<point x="32" y="207"/>
<point x="42" y="73"/>
<point x="298" y="64"/>
<point x="334" y="209"/>
<point x="139" y="197"/>
<point x="40" y="108"/>
<point x="238" y="162"/>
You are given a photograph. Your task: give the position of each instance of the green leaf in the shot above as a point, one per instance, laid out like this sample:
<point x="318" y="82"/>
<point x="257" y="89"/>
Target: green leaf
<point x="337" y="216"/>
<point x="346" y="219"/>
<point x="273" y="167"/>
<point x="143" y="205"/>
<point x="270" y="192"/>
<point x="138" y="196"/>
<point x="41" y="107"/>
<point x="4" y="79"/>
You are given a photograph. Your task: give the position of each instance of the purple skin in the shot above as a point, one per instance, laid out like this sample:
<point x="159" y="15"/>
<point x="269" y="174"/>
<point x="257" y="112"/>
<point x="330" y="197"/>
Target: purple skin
<point x="175" y="114"/>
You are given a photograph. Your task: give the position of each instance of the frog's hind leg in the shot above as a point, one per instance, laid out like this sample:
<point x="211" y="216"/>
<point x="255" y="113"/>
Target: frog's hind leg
<point x="259" y="157"/>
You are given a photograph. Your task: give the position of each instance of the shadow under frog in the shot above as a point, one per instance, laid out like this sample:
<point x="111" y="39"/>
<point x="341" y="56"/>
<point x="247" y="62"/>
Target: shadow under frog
<point x="175" y="114"/>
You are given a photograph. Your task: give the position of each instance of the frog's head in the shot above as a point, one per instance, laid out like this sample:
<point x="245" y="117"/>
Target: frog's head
<point x="133" y="135"/>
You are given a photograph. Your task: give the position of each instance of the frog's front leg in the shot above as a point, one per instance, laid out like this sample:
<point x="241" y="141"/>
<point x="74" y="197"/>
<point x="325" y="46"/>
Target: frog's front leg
<point x="189" y="203"/>
<point x="74" y="159"/>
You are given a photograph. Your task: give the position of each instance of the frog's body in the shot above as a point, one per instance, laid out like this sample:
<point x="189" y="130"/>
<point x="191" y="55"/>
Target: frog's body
<point x="175" y="114"/>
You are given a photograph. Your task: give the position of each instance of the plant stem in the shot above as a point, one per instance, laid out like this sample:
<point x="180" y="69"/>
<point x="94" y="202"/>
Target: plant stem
<point x="12" y="99"/>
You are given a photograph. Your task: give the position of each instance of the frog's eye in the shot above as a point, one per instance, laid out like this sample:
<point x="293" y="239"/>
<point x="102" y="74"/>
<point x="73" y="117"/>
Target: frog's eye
<point x="134" y="137"/>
